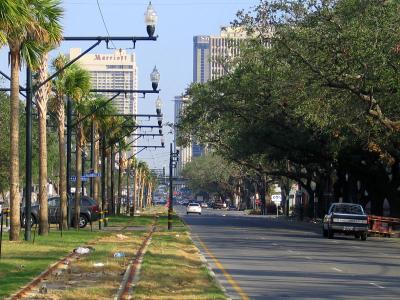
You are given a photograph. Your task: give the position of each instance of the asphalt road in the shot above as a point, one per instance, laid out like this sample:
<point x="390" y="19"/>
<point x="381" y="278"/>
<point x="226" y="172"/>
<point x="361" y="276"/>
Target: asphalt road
<point x="258" y="257"/>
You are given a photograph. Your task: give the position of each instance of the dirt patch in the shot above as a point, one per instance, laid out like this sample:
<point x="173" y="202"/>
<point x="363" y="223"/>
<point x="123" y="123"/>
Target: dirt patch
<point x="96" y="275"/>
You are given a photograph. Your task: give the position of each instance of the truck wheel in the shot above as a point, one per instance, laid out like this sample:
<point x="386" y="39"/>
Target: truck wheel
<point x="364" y="236"/>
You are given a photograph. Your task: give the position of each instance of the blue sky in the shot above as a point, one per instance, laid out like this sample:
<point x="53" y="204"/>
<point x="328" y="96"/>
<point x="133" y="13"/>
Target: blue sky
<point x="179" y="21"/>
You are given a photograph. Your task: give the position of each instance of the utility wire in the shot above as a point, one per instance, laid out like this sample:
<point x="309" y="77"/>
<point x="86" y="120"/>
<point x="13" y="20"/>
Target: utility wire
<point x="104" y="22"/>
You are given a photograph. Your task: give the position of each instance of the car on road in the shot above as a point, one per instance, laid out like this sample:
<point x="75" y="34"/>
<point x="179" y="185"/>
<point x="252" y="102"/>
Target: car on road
<point x="347" y="218"/>
<point x="193" y="208"/>
<point x="89" y="211"/>
<point x="204" y="205"/>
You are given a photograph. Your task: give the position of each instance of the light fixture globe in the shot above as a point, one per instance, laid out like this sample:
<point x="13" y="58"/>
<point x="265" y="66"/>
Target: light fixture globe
<point x="158" y="105"/>
<point x="150" y="19"/>
<point x="155" y="78"/>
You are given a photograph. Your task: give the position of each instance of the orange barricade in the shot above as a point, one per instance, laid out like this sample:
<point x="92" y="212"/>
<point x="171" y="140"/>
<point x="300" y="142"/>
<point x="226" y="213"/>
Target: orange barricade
<point x="385" y="226"/>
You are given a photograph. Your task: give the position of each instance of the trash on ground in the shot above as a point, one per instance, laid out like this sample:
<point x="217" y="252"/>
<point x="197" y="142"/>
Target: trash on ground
<point x="177" y="235"/>
<point x="121" y="236"/>
<point x="43" y="289"/>
<point x="82" y="250"/>
<point x="99" y="264"/>
<point x="119" y="254"/>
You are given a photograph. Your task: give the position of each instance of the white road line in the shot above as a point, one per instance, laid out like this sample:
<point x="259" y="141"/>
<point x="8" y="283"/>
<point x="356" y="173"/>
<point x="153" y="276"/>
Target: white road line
<point x="377" y="285"/>
<point x="307" y="257"/>
<point x="356" y="247"/>
<point x="336" y="269"/>
<point x="275" y="244"/>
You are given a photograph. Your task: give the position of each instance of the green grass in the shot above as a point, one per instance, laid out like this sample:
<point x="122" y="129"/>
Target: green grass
<point x="172" y="269"/>
<point x="145" y="220"/>
<point x="21" y="261"/>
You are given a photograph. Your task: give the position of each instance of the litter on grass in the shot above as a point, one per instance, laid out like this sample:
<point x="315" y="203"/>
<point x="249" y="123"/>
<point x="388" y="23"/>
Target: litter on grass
<point x="121" y="237"/>
<point x="98" y="265"/>
<point x="119" y="254"/>
<point x="82" y="250"/>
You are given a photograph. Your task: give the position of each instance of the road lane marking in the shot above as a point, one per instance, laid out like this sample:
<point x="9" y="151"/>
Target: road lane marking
<point x="356" y="247"/>
<point x="377" y="285"/>
<point x="275" y="244"/>
<point x="336" y="269"/>
<point x="307" y="257"/>
<point x="228" y="276"/>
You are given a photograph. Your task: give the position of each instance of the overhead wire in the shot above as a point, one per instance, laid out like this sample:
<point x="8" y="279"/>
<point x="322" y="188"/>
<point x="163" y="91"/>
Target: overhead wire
<point x="104" y="22"/>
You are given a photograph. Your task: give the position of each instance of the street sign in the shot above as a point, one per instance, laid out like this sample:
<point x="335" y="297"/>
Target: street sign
<point x="91" y="175"/>
<point x="83" y="178"/>
<point x="277" y="199"/>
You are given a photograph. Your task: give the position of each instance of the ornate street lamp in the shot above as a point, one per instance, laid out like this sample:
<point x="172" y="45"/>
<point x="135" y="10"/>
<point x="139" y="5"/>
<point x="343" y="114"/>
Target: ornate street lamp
<point x="162" y="141"/>
<point x="158" y="105"/>
<point x="155" y="78"/>
<point x="150" y="18"/>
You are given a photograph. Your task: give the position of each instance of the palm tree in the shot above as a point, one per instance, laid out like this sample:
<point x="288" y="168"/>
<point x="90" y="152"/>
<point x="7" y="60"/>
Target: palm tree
<point x="58" y="107"/>
<point x="52" y="12"/>
<point x="78" y="87"/>
<point x="102" y="108"/>
<point x="21" y="25"/>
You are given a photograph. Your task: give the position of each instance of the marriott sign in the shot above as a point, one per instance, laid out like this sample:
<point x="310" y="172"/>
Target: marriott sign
<point x="111" y="57"/>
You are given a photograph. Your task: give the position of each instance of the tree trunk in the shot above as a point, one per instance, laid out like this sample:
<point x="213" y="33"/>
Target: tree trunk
<point x="78" y="164"/>
<point x="15" y="225"/>
<point x="128" y="201"/>
<point x="62" y="171"/>
<point x="96" y="183"/>
<point x="143" y="185"/>
<point x="134" y="191"/>
<point x="109" y="198"/>
<point x="42" y="99"/>
<point x="120" y="163"/>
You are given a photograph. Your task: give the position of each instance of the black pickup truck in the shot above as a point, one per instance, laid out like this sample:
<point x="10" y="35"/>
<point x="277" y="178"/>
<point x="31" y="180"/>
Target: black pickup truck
<point x="347" y="218"/>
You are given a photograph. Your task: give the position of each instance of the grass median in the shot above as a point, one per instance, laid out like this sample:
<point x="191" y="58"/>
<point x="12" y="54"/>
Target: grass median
<point x="172" y="268"/>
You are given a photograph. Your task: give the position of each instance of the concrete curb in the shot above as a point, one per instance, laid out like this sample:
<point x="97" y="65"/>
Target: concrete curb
<point x="205" y="262"/>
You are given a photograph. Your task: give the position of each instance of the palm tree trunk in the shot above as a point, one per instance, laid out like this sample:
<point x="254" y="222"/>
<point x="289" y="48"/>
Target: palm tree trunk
<point x="42" y="99"/>
<point x="78" y="164"/>
<point x="15" y="225"/>
<point x="128" y="201"/>
<point x="96" y="184"/>
<point x="142" y="191"/>
<point x="120" y="163"/>
<point x="135" y="175"/>
<point x="62" y="171"/>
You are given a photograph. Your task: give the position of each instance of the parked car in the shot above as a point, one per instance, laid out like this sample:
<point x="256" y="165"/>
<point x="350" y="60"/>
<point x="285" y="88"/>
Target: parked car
<point x="347" y="218"/>
<point x="219" y="205"/>
<point x="194" y="208"/>
<point x="89" y="211"/>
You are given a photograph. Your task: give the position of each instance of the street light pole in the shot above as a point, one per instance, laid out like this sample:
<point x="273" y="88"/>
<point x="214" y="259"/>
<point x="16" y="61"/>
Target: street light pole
<point x="173" y="157"/>
<point x="170" y="206"/>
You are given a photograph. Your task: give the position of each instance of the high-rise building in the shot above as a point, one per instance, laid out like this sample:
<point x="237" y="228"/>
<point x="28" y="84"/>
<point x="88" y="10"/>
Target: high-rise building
<point x="209" y="52"/>
<point x="117" y="70"/>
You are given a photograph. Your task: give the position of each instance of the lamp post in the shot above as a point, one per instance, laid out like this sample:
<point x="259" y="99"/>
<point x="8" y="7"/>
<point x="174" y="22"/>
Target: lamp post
<point x="155" y="78"/>
<point x="173" y="157"/>
<point x="150" y="19"/>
